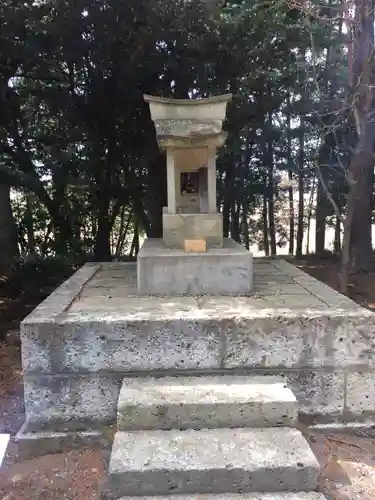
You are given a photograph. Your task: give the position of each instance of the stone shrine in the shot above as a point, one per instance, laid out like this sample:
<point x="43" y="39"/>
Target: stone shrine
<point x="201" y="393"/>
<point x="193" y="257"/>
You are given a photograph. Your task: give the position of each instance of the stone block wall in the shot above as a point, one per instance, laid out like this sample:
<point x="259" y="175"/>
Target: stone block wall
<point x="76" y="348"/>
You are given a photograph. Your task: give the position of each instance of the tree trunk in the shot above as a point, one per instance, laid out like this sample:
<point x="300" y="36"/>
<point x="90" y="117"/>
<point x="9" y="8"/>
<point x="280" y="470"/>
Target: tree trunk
<point x="308" y="233"/>
<point x="290" y="177"/>
<point x="246" y="235"/>
<point x="120" y="232"/>
<point x="106" y="220"/>
<point x="228" y="195"/>
<point x="309" y="217"/>
<point x="136" y="237"/>
<point x="9" y="251"/>
<point x="291" y="214"/>
<point x="271" y="212"/>
<point x="245" y="228"/>
<point x="134" y="247"/>
<point x="361" y="251"/>
<point x="345" y="257"/>
<point x="337" y="240"/>
<point x="235" y="222"/>
<point x="271" y="187"/>
<point x="123" y="231"/>
<point x="46" y="239"/>
<point x="320" y="218"/>
<point x="226" y="211"/>
<point x="59" y="218"/>
<point x="58" y="207"/>
<point x="357" y="252"/>
<point x="265" y="227"/>
<point x="157" y="196"/>
<point x="102" y="250"/>
<point x="29" y="224"/>
<point x="94" y="228"/>
<point x="301" y="204"/>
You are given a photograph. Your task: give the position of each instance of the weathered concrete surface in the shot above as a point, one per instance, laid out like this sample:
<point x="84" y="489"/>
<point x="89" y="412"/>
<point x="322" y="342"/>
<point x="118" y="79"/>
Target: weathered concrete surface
<point x="80" y="343"/>
<point x="32" y="443"/>
<point x="234" y="496"/>
<point x="180" y="227"/>
<point x="205" y="402"/>
<point x="166" y="271"/>
<point x="211" y="461"/>
<point x="320" y="394"/>
<point x="209" y="109"/>
<point x="90" y="397"/>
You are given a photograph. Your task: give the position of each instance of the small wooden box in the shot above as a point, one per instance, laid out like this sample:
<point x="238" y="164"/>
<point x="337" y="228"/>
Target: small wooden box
<point x="195" y="246"/>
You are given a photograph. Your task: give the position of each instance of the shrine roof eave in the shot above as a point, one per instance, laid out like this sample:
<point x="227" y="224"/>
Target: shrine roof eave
<point x="188" y="102"/>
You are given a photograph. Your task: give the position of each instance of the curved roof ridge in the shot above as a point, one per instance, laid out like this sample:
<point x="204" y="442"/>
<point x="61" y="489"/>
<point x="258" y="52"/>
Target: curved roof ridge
<point x="189" y="102"/>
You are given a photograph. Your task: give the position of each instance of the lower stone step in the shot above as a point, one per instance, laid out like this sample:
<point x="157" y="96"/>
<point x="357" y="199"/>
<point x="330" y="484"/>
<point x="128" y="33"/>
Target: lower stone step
<point x="211" y="461"/>
<point x="234" y="496"/>
<point x="205" y="402"/>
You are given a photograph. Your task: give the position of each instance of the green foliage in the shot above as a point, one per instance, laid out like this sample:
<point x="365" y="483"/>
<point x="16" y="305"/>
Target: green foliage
<point x="76" y="135"/>
<point x="37" y="276"/>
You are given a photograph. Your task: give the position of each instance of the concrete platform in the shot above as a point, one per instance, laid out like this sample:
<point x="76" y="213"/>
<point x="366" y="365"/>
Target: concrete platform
<point x="220" y="271"/>
<point x="94" y="330"/>
<point x="205" y="402"/>
<point x="211" y="461"/>
<point x="233" y="496"/>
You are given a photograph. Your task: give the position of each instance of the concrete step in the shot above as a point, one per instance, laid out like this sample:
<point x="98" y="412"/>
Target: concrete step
<point x="211" y="461"/>
<point x="234" y="496"/>
<point x="205" y="402"/>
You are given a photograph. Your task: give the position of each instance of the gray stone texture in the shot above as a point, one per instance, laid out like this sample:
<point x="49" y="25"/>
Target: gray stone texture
<point x="36" y="444"/>
<point x="182" y="128"/>
<point x="207" y="109"/>
<point x="238" y="496"/>
<point x="205" y="402"/>
<point x="180" y="227"/>
<point x="84" y="346"/>
<point x="95" y="329"/>
<point x="320" y="395"/>
<point x="164" y="271"/>
<point x="90" y="397"/>
<point x="211" y="461"/>
<point x="360" y="393"/>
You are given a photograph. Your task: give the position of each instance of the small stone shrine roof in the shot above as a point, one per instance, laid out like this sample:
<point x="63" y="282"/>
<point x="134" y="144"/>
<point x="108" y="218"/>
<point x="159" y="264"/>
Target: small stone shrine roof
<point x="189" y="102"/>
<point x="188" y="119"/>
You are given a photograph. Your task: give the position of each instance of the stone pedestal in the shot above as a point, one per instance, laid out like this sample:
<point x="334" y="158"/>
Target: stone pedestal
<point x="180" y="227"/>
<point x="190" y="132"/>
<point x="221" y="271"/>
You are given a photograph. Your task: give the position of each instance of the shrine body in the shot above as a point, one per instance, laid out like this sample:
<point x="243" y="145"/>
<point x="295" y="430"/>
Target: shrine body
<point x="193" y="257"/>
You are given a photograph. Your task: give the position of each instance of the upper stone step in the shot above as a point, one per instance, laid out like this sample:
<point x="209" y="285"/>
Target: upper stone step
<point x="205" y="402"/>
<point x="211" y="461"/>
<point x="234" y="496"/>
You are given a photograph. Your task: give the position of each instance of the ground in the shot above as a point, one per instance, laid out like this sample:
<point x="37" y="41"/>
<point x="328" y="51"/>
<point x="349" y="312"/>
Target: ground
<point x="348" y="462"/>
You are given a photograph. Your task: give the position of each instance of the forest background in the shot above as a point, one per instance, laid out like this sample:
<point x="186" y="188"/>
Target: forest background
<point x="81" y="176"/>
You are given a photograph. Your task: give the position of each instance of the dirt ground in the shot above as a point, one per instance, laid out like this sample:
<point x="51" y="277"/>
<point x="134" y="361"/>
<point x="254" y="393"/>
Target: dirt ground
<point x="348" y="462"/>
<point x="348" y="472"/>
